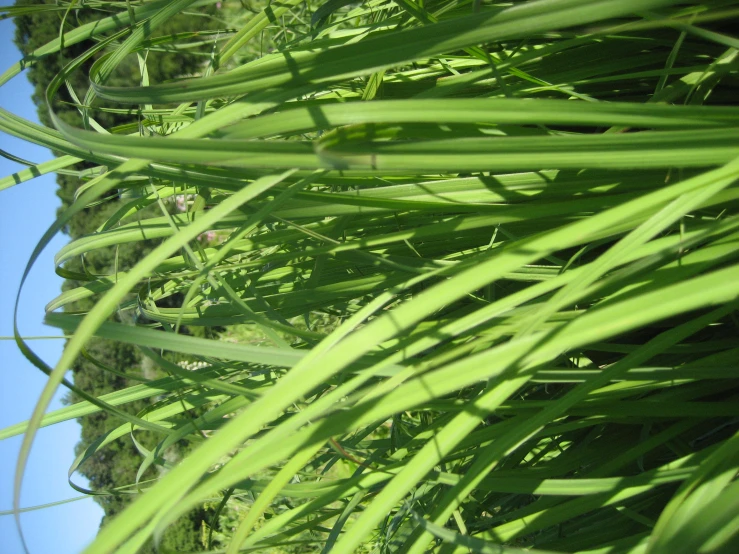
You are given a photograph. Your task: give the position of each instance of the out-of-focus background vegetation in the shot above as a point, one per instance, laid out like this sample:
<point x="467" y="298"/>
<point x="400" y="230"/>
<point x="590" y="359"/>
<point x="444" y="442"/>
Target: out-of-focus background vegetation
<point x="117" y="464"/>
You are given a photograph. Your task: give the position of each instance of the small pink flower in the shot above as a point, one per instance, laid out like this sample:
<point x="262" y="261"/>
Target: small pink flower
<point x="208" y="236"/>
<point x="218" y="5"/>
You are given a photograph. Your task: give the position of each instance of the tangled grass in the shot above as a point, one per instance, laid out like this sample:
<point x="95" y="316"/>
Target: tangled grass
<point x="488" y="250"/>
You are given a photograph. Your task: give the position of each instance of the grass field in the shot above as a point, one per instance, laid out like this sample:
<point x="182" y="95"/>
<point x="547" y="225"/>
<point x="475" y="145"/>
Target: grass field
<point x="449" y="276"/>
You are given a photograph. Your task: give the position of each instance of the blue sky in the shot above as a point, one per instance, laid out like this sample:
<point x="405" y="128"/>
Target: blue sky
<point x="25" y="213"/>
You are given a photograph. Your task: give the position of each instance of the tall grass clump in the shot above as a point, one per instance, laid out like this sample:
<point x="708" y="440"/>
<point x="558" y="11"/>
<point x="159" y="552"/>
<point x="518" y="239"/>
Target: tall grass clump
<point x="469" y="271"/>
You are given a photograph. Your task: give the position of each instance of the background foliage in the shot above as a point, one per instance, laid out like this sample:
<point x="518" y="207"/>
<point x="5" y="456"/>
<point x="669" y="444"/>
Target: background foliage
<point x="115" y="465"/>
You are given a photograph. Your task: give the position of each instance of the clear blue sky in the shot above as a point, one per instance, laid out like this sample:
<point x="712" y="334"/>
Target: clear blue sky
<point x="26" y="211"/>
